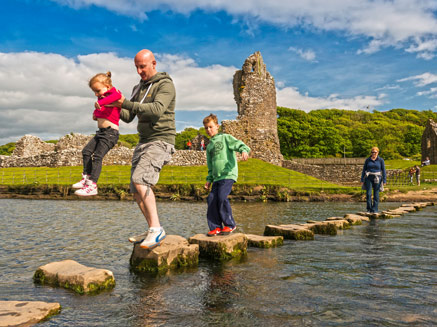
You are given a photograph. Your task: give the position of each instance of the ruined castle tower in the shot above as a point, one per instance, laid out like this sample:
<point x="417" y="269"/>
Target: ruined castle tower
<point x="256" y="124"/>
<point x="429" y="142"/>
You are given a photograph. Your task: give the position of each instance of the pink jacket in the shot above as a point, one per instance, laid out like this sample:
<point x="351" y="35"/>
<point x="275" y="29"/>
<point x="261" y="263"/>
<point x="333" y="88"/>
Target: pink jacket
<point x="110" y="113"/>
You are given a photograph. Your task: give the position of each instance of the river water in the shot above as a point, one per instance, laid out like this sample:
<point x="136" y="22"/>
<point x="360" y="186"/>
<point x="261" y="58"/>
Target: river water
<point x="382" y="273"/>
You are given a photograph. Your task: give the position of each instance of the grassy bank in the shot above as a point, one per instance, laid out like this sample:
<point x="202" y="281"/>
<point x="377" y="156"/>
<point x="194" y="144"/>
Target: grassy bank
<point x="257" y="179"/>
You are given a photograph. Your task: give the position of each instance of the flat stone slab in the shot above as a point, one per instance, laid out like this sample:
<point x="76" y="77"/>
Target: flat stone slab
<point x="221" y="247"/>
<point x="72" y="275"/>
<point x="174" y="252"/>
<point x="264" y="241"/>
<point x="354" y="219"/>
<point x="291" y="232"/>
<point x="26" y="313"/>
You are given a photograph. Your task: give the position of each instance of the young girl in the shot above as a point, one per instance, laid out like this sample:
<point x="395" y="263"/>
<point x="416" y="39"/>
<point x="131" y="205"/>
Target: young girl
<point x="106" y="137"/>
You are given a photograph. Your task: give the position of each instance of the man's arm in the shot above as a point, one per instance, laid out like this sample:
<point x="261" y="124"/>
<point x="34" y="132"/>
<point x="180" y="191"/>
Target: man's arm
<point x="153" y="110"/>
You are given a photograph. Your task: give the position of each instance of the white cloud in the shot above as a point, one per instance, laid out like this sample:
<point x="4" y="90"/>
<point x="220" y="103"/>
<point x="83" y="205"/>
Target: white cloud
<point x="290" y="97"/>
<point x="47" y="94"/>
<point x="308" y="55"/>
<point x="421" y="80"/>
<point x="401" y="23"/>
<point x="431" y="93"/>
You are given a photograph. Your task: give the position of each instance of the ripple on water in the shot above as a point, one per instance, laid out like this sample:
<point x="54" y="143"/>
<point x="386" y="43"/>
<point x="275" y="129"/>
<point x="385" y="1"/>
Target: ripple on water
<point x="379" y="273"/>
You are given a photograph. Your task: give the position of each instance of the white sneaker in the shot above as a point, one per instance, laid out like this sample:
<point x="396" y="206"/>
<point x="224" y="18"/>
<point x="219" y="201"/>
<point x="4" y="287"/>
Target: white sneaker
<point x="138" y="238"/>
<point x="153" y="238"/>
<point x="82" y="182"/>
<point x="89" y="189"/>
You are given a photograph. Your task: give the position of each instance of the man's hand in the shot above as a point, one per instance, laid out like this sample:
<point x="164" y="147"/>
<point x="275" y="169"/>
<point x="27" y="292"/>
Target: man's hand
<point x="94" y="117"/>
<point x="206" y="186"/>
<point x="244" y="156"/>
<point x="118" y="103"/>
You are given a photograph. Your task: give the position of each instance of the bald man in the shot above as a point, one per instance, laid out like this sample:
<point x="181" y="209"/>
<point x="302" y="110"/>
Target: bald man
<point x="153" y="103"/>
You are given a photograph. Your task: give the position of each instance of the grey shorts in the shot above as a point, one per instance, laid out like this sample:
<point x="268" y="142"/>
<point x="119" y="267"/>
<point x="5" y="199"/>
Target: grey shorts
<point x="147" y="162"/>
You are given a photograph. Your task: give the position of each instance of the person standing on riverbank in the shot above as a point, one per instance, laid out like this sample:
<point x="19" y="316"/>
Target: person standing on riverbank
<point x="106" y="137"/>
<point x="153" y="101"/>
<point x="373" y="178"/>
<point x="222" y="174"/>
<point x="417" y="175"/>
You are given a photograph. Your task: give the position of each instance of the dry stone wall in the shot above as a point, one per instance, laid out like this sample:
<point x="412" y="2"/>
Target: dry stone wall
<point x="68" y="152"/>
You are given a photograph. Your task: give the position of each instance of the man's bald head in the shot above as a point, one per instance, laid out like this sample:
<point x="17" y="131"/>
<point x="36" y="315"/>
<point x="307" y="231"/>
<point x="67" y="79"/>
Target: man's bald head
<point x="146" y="64"/>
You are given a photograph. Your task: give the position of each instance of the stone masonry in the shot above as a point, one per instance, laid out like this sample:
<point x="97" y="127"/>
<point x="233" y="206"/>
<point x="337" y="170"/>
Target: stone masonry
<point x="429" y="142"/>
<point x="256" y="124"/>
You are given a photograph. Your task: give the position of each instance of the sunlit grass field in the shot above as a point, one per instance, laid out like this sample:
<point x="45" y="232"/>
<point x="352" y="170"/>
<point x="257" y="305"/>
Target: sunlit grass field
<point x="251" y="172"/>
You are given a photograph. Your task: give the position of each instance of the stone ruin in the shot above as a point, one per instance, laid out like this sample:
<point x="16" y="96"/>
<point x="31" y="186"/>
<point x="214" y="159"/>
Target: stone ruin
<point x="30" y="145"/>
<point x="31" y="151"/>
<point x="197" y="141"/>
<point x="429" y="142"/>
<point x="256" y="124"/>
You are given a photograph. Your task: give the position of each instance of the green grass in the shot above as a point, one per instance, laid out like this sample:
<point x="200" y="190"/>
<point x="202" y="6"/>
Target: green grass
<point x="401" y="164"/>
<point x="251" y="172"/>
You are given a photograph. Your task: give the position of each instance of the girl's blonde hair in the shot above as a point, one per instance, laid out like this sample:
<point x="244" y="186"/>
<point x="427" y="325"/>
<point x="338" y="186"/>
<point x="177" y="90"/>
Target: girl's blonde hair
<point x="101" y="78"/>
<point x="375" y="148"/>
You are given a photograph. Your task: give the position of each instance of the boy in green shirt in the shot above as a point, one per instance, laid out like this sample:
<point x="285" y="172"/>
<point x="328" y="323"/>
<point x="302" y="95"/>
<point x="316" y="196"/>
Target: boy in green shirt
<point x="222" y="173"/>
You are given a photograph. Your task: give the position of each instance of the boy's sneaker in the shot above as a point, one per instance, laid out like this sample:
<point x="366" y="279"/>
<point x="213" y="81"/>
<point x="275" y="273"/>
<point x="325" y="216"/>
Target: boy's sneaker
<point x="227" y="230"/>
<point x="138" y="238"/>
<point x="153" y="238"/>
<point x="89" y="189"/>
<point x="214" y="232"/>
<point x="82" y="182"/>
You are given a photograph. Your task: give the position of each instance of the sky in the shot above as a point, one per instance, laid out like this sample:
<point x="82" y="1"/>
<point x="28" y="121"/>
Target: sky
<point x="345" y="54"/>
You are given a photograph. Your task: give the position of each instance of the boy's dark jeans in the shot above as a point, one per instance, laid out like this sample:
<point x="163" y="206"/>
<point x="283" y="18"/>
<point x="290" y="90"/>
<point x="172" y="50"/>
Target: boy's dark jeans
<point x="93" y="153"/>
<point x="219" y="212"/>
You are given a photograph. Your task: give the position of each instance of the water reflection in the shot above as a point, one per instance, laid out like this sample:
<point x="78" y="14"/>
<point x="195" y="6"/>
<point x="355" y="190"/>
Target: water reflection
<point x="381" y="273"/>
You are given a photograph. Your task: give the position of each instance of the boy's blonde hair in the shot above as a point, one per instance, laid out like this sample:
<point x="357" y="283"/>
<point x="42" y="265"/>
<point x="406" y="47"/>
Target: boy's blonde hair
<point x="101" y="78"/>
<point x="210" y="117"/>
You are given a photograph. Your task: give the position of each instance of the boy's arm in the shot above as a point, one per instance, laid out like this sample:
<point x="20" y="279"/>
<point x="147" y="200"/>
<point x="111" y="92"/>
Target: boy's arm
<point x="236" y="145"/>
<point x="113" y="96"/>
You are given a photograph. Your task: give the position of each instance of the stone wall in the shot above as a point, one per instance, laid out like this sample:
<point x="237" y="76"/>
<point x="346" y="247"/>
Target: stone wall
<point x="336" y="173"/>
<point x="68" y="152"/>
<point x="429" y="142"/>
<point x="256" y="124"/>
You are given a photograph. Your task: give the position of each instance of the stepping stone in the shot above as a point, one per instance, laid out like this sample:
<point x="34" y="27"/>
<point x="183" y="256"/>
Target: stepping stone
<point x="339" y="222"/>
<point x="26" y="313"/>
<point x="354" y="219"/>
<point x="326" y="227"/>
<point x="264" y="241"/>
<point x="72" y="275"/>
<point x="221" y="247"/>
<point x="174" y="252"/>
<point x="409" y="208"/>
<point x="290" y="232"/>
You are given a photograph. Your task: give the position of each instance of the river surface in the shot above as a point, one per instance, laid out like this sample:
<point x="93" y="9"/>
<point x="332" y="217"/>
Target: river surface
<point x="382" y="273"/>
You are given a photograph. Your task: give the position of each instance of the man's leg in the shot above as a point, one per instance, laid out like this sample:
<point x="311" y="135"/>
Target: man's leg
<point x="146" y="201"/>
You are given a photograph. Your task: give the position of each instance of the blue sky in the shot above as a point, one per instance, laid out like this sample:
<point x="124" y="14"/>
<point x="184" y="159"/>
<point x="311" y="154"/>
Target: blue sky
<point x="347" y="54"/>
